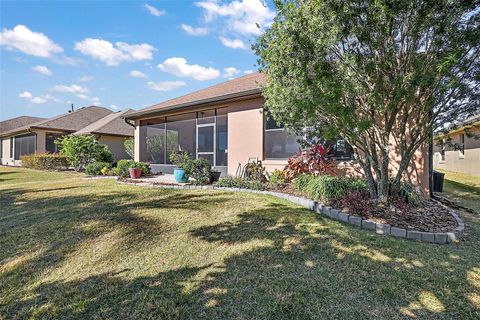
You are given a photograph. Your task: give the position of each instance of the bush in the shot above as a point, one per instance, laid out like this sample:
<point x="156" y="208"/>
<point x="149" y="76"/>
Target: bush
<point x="232" y="182"/>
<point x="81" y="150"/>
<point x="200" y="170"/>
<point x="328" y="189"/>
<point x="356" y="202"/>
<point x="95" y="168"/>
<point x="180" y="159"/>
<point x="123" y="165"/>
<point x="277" y="178"/>
<point x="45" y="161"/>
<point x="129" y="145"/>
<point x="315" y="160"/>
<point x="255" y="171"/>
<point x="407" y="192"/>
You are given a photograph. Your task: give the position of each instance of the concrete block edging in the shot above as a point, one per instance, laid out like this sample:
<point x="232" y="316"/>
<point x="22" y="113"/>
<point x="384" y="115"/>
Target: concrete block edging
<point x="335" y="214"/>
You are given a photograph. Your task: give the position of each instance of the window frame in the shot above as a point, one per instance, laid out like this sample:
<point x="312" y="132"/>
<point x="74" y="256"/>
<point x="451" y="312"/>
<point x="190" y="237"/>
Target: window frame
<point x="277" y="128"/>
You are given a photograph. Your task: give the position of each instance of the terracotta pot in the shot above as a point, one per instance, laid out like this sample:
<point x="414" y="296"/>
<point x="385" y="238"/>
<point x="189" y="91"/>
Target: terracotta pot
<point x="135" y="173"/>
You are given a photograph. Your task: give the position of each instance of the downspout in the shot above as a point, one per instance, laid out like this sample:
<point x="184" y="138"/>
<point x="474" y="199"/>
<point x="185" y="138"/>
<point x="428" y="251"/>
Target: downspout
<point x="129" y="123"/>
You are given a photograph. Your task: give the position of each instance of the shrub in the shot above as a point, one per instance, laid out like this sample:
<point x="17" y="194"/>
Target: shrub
<point x="255" y="171"/>
<point x="81" y="150"/>
<point x="406" y="192"/>
<point x="315" y="160"/>
<point x="328" y="189"/>
<point x="123" y="165"/>
<point x="95" y="168"/>
<point x="45" y="161"/>
<point x="277" y="178"/>
<point x="129" y="145"/>
<point x="356" y="202"/>
<point x="232" y="182"/>
<point x="180" y="159"/>
<point x="199" y="169"/>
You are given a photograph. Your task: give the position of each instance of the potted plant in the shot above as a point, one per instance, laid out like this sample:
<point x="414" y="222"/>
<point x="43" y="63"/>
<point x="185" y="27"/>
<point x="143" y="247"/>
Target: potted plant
<point x="180" y="160"/>
<point x="134" y="170"/>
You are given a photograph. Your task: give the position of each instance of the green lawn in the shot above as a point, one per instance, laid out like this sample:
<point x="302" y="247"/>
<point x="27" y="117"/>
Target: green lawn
<point x="71" y="248"/>
<point x="463" y="188"/>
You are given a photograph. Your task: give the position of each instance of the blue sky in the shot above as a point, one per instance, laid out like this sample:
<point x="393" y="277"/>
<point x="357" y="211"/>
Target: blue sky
<point x="120" y="54"/>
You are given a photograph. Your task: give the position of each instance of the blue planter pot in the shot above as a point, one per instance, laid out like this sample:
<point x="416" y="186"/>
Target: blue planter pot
<point x="179" y="175"/>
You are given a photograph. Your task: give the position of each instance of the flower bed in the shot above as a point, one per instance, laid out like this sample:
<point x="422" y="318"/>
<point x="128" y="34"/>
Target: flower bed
<point x="453" y="232"/>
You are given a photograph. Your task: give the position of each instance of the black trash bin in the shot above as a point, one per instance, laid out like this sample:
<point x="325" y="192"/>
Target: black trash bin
<point x="438" y="181"/>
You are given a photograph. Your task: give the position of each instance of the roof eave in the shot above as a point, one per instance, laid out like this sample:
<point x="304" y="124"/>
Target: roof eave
<point x="224" y="98"/>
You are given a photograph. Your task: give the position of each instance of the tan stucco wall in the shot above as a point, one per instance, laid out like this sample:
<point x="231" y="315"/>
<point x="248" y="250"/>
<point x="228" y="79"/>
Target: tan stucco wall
<point x="116" y="145"/>
<point x="468" y="163"/>
<point x="6" y="159"/>
<point x="245" y="132"/>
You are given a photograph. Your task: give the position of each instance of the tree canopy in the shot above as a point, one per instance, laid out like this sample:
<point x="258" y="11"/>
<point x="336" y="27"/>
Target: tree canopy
<point x="372" y="72"/>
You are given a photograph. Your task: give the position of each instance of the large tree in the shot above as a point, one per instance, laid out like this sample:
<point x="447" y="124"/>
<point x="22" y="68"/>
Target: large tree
<point x="372" y="72"/>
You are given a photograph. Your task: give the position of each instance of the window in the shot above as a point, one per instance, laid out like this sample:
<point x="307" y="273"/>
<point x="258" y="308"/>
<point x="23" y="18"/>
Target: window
<point x="279" y="144"/>
<point x="181" y="134"/>
<point x="442" y="150"/>
<point x="1" y="149"/>
<point x="11" y="148"/>
<point x="24" y="145"/>
<point x="462" y="144"/>
<point x="160" y="137"/>
<point x="340" y="149"/>
<point x="50" y="145"/>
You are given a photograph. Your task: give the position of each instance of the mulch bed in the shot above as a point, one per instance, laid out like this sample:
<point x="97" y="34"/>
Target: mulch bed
<point x="428" y="217"/>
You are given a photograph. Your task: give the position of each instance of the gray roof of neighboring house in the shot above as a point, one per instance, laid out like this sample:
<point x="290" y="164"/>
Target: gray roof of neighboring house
<point x="68" y="122"/>
<point x="240" y="87"/>
<point x="112" y="124"/>
<point x="18" y="122"/>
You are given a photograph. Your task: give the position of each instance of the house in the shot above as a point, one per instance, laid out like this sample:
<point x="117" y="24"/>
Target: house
<point x="459" y="149"/>
<point x="227" y="125"/>
<point x="29" y="135"/>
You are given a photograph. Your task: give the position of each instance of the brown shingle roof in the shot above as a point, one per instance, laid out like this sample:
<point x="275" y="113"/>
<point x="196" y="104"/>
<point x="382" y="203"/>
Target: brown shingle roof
<point x="17" y="122"/>
<point x="74" y="121"/>
<point x="248" y="84"/>
<point x="112" y="124"/>
<point x="69" y="122"/>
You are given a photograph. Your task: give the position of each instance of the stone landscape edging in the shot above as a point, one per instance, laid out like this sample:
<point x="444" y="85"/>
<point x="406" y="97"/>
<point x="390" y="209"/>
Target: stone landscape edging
<point x="335" y="214"/>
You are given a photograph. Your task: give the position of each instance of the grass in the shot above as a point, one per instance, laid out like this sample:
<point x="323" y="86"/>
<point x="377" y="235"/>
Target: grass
<point x="78" y="249"/>
<point x="463" y="188"/>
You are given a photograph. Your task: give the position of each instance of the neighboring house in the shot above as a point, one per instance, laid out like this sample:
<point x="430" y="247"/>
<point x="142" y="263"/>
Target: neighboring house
<point x="226" y="124"/>
<point x="459" y="149"/>
<point x="37" y="135"/>
<point x="112" y="130"/>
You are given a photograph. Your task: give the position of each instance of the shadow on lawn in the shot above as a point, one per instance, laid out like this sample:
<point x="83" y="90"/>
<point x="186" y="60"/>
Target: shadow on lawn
<point x="303" y="268"/>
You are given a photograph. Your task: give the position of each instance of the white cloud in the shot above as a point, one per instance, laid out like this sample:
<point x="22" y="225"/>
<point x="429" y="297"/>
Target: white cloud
<point x="165" y="85"/>
<point x="154" y="11"/>
<point x="38" y="100"/>
<point x="179" y="67"/>
<point x="233" y="43"/>
<point x="74" y="88"/>
<point x="114" y="107"/>
<point x="93" y="100"/>
<point x="43" y="70"/>
<point x="85" y="79"/>
<point x="230" y="72"/>
<point x="243" y="17"/>
<point x="137" y="74"/>
<point x="194" y="31"/>
<point x="33" y="43"/>
<point x="25" y="94"/>
<point x="112" y="55"/>
<point x="248" y="71"/>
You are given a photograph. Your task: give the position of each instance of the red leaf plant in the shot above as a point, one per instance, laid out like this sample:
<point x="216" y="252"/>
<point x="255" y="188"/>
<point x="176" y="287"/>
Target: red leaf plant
<point x="315" y="161"/>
